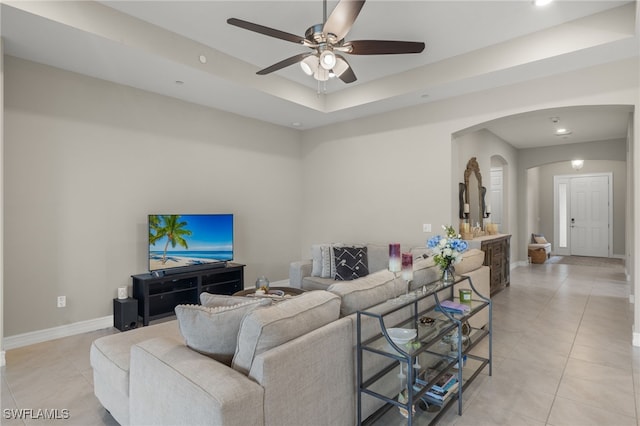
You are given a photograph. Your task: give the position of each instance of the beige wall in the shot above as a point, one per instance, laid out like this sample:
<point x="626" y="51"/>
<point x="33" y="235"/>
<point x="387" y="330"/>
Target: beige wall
<point x="2" y="298"/>
<point x="533" y="202"/>
<point x="483" y="145"/>
<point x="378" y="179"/>
<point x="87" y="160"/>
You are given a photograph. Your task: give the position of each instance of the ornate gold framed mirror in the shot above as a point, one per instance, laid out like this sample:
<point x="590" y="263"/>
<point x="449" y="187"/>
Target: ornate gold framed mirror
<point x="472" y="194"/>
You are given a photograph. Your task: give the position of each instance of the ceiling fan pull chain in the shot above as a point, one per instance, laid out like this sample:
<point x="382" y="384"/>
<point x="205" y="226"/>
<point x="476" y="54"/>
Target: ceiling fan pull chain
<point x="324" y="12"/>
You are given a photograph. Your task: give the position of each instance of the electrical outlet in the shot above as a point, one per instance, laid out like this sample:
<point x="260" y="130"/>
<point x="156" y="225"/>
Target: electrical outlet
<point x="62" y="301"/>
<point x="426" y="227"/>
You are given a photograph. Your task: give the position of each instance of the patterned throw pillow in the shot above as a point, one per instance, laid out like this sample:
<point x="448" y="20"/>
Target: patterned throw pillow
<point x="323" y="263"/>
<point x="351" y="263"/>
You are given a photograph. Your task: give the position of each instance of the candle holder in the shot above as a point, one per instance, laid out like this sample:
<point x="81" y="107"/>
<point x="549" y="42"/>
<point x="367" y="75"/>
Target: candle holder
<point x="407" y="271"/>
<point x="395" y="263"/>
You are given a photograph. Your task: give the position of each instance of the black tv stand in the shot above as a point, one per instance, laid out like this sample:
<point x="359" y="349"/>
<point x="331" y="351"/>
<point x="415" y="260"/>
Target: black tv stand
<point x="186" y="269"/>
<point x="158" y="295"/>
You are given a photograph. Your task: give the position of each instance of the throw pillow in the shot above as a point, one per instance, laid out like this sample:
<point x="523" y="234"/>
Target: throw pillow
<point x="351" y="263"/>
<point x="373" y="289"/>
<point x="323" y="264"/>
<point x="541" y="240"/>
<point x="213" y="331"/>
<point x="216" y="300"/>
<point x="316" y="260"/>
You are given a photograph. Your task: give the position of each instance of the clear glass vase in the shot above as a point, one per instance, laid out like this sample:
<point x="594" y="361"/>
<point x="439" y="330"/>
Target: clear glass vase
<point x="262" y="283"/>
<point x="448" y="274"/>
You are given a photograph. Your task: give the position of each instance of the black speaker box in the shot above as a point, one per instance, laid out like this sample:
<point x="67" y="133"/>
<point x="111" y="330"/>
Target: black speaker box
<point x="125" y="314"/>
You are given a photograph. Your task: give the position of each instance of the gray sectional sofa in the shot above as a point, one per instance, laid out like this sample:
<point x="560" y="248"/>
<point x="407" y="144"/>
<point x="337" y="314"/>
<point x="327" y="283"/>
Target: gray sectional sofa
<point x="294" y="361"/>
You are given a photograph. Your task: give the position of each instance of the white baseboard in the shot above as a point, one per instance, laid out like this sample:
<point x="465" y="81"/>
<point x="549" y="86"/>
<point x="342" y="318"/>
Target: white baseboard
<point x="25" y="339"/>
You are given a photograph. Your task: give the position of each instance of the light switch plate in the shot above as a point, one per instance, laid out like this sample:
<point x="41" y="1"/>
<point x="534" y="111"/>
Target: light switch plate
<point x="426" y="227"/>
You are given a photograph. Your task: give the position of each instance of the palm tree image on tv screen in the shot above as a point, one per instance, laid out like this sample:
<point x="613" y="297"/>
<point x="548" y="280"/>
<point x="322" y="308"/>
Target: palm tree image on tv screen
<point x="188" y="240"/>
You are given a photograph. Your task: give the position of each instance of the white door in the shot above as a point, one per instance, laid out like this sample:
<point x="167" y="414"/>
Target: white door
<point x="496" y="195"/>
<point x="589" y="216"/>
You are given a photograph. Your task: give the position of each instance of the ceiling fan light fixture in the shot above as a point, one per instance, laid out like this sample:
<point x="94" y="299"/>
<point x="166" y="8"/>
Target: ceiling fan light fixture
<point x="309" y="64"/>
<point x="327" y="60"/>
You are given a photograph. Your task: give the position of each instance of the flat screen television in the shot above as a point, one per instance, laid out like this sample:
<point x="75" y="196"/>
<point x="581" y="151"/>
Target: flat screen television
<point x="195" y="241"/>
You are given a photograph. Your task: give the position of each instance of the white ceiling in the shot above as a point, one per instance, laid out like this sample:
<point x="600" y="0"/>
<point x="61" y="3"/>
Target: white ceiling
<point x="152" y="44"/>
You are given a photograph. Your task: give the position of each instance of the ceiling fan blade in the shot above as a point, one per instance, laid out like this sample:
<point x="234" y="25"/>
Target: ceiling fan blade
<point x="341" y="19"/>
<point x="383" y="47"/>
<point x="343" y="70"/>
<point x="284" y="63"/>
<point x="266" y="30"/>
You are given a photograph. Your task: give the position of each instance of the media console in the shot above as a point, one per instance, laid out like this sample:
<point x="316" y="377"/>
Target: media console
<point x="158" y="295"/>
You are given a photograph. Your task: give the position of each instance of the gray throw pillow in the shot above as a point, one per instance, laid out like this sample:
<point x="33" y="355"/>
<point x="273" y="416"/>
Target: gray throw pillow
<point x="213" y="331"/>
<point x="215" y="300"/>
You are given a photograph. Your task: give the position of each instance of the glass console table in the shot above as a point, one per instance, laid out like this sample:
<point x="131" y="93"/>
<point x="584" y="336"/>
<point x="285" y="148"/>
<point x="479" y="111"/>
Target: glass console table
<point x="399" y="376"/>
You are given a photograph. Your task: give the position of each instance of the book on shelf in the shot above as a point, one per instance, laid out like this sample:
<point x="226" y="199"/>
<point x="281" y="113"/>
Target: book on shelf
<point x="445" y="382"/>
<point x="443" y="395"/>
<point x="444" y="386"/>
<point x="453" y="307"/>
<point x="433" y="396"/>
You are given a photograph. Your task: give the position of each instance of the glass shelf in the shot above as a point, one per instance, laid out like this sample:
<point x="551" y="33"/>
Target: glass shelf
<point x="437" y="349"/>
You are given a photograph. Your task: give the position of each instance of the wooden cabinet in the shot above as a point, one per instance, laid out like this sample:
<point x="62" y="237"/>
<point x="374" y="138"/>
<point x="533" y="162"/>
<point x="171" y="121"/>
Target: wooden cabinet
<point x="497" y="256"/>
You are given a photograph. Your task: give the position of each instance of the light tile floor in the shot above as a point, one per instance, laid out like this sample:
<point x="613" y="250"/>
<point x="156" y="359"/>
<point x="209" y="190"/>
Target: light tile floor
<point x="562" y="356"/>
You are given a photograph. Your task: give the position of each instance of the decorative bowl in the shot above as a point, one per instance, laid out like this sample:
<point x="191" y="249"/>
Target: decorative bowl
<point x="402" y="336"/>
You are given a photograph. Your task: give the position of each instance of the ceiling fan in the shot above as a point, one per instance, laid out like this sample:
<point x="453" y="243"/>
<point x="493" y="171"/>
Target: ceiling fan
<point x="326" y="42"/>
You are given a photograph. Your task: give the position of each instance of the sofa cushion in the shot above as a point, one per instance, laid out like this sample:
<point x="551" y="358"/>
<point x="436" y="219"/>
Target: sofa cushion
<point x="364" y="292"/>
<point x="378" y="255"/>
<point x="213" y="331"/>
<point x="263" y="329"/>
<point x="110" y="355"/>
<point x="351" y="263"/>
<point x="317" y="283"/>
<point x="471" y="260"/>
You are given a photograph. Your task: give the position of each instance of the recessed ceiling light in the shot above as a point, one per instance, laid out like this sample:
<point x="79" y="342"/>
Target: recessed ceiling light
<point x="202" y="59"/>
<point x="563" y="132"/>
<point x="296" y="124"/>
